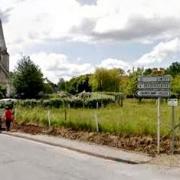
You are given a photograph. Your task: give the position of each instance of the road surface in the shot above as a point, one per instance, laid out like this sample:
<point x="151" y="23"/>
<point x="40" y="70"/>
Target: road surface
<point x="22" y="159"/>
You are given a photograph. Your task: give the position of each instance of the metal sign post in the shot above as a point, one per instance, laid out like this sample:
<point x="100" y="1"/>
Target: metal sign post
<point x="154" y="87"/>
<point x="172" y="103"/>
<point x="173" y="133"/>
<point x="158" y="125"/>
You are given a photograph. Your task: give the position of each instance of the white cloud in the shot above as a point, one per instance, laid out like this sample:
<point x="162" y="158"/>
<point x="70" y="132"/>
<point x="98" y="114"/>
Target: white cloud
<point x="55" y="66"/>
<point x="36" y="20"/>
<point x="160" y="52"/>
<point x="139" y="20"/>
<point x="28" y="22"/>
<point x="110" y="63"/>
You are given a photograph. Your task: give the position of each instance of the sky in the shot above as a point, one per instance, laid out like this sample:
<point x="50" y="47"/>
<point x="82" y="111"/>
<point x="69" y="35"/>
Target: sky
<point x="68" y="38"/>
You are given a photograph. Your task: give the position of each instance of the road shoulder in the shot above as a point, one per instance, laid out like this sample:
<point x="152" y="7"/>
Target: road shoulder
<point x="87" y="148"/>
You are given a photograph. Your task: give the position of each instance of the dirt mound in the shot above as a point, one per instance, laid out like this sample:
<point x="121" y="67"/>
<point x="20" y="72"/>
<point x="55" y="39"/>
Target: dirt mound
<point x="145" y="144"/>
<point x="29" y="128"/>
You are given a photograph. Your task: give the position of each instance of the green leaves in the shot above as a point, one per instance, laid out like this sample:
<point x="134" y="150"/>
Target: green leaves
<point x="106" y="80"/>
<point x="28" y="79"/>
<point x="176" y="85"/>
<point x="173" y="69"/>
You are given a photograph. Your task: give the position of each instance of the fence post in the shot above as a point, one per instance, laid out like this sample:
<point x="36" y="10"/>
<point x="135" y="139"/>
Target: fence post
<point x="65" y="113"/>
<point x="96" y="121"/>
<point x="97" y="105"/>
<point x="49" y="119"/>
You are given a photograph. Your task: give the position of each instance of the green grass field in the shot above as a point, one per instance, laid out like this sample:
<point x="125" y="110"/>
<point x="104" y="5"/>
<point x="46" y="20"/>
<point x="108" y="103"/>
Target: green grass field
<point x="133" y="118"/>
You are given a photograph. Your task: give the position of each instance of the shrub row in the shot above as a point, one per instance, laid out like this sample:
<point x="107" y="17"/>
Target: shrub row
<point x="74" y="102"/>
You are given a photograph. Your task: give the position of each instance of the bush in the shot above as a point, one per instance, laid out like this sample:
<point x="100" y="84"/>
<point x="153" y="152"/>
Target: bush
<point x="76" y="102"/>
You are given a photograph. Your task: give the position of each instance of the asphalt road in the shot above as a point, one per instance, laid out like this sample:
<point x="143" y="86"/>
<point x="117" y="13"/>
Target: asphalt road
<point x="22" y="159"/>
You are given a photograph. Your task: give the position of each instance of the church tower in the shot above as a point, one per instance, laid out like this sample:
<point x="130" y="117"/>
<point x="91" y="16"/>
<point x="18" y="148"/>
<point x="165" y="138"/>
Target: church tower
<point x="4" y="61"/>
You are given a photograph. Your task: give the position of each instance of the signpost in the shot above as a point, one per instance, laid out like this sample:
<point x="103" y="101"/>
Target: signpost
<point x="154" y="87"/>
<point x="173" y="103"/>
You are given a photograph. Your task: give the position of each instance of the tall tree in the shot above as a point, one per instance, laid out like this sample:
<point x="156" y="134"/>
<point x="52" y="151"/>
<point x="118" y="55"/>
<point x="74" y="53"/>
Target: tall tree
<point x="61" y="84"/>
<point x="106" y="80"/>
<point x="173" y="69"/>
<point x="28" y="79"/>
<point x="132" y="82"/>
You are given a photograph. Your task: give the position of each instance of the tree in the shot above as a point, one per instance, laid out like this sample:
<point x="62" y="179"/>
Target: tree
<point x="49" y="87"/>
<point x="2" y="92"/>
<point x="147" y="72"/>
<point x="61" y="84"/>
<point x="133" y="80"/>
<point x="79" y="84"/>
<point x="28" y="79"/>
<point x="173" y="69"/>
<point x="106" y="80"/>
<point x="176" y="85"/>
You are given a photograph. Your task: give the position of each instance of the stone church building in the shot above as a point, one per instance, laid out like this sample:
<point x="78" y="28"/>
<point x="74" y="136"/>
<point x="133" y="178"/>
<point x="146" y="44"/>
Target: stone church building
<point x="4" y="62"/>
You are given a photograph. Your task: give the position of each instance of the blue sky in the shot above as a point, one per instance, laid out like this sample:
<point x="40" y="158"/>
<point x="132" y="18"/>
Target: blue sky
<point x="73" y="37"/>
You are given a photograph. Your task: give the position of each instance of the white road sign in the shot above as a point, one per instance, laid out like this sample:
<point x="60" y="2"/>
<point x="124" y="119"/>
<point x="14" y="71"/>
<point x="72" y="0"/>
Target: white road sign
<point x="154" y="78"/>
<point x="172" y="102"/>
<point x="153" y="93"/>
<point x="154" y="86"/>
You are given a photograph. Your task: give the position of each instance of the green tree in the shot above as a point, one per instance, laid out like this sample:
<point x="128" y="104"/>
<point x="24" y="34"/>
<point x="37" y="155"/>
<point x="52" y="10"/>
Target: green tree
<point x="61" y="84"/>
<point x="49" y="87"/>
<point x="2" y="92"/>
<point x="132" y="82"/>
<point x="147" y="72"/>
<point x="28" y="79"/>
<point x="79" y="84"/>
<point x="176" y="85"/>
<point x="106" y="80"/>
<point x="173" y="69"/>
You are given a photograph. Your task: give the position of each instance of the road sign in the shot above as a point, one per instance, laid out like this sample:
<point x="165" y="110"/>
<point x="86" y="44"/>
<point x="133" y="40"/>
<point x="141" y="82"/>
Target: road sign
<point x="146" y="93"/>
<point x="158" y="86"/>
<point x="150" y="86"/>
<point x="172" y="102"/>
<point x="154" y="78"/>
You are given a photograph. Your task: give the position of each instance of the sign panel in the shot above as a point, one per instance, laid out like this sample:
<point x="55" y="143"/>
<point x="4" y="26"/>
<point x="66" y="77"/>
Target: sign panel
<point x="153" y="93"/>
<point x="154" y="86"/>
<point x="172" y="102"/>
<point x="155" y="78"/>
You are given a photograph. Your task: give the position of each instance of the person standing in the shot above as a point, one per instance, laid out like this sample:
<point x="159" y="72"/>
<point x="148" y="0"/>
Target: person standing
<point x="9" y="117"/>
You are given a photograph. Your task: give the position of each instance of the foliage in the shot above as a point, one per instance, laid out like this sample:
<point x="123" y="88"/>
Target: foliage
<point x="28" y="79"/>
<point x="132" y="119"/>
<point x="79" y="84"/>
<point x="133" y="80"/>
<point x="173" y="69"/>
<point x="2" y="92"/>
<point x="147" y="72"/>
<point x="47" y="88"/>
<point x="72" y="101"/>
<point x="106" y="80"/>
<point x="61" y="85"/>
<point x="176" y="85"/>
